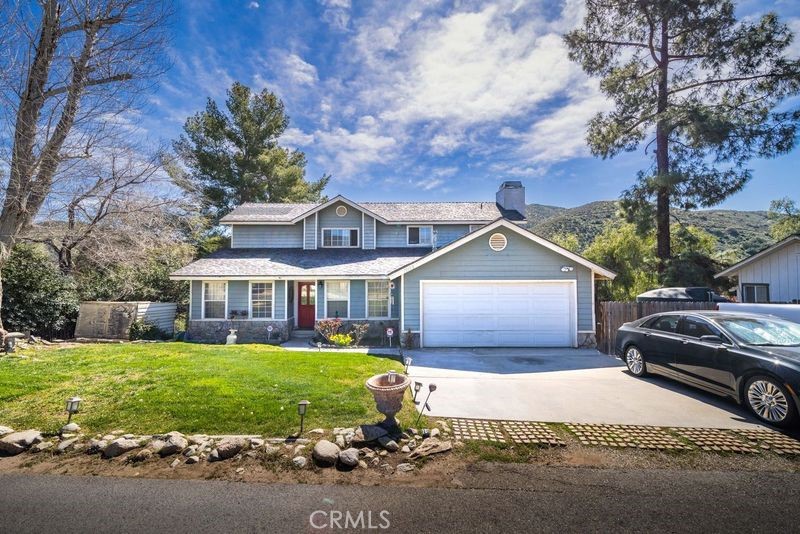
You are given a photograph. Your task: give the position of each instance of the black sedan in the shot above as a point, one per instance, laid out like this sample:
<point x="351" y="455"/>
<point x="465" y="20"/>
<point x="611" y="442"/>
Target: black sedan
<point x="754" y="359"/>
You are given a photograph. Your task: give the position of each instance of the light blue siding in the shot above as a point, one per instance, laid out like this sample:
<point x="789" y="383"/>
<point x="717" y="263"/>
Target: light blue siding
<point x="309" y="242"/>
<point x="522" y="259"/>
<point x="197" y="300"/>
<point x="395" y="235"/>
<point x="369" y="232"/>
<point x="280" y="299"/>
<point x="290" y="301"/>
<point x="329" y="219"/>
<point x="447" y="233"/>
<point x="238" y="296"/>
<point x="358" y="299"/>
<point x="267" y="236"/>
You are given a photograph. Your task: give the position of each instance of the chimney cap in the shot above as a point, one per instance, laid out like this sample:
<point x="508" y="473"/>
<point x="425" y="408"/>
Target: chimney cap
<point x="510" y="184"/>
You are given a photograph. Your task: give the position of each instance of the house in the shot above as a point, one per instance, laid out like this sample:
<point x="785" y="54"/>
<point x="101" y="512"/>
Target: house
<point x="453" y="274"/>
<point x="772" y="275"/>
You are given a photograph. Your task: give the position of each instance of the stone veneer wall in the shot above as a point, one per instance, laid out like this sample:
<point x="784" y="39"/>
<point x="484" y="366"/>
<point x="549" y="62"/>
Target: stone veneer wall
<point x="377" y="327"/>
<point x="247" y="331"/>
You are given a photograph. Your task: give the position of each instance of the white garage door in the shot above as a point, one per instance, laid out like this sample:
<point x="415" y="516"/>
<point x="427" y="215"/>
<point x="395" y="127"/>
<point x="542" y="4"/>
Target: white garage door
<point x="498" y="314"/>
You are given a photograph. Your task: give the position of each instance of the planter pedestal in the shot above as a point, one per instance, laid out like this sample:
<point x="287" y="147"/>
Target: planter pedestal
<point x="388" y="390"/>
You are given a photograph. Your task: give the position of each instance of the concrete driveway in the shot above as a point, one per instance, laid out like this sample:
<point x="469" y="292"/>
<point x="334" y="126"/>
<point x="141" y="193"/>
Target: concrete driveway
<point x="563" y="385"/>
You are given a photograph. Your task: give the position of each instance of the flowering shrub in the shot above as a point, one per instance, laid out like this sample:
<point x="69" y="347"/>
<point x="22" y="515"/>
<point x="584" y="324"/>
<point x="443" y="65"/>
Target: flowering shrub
<point x="358" y="331"/>
<point x="328" y="327"/>
<point x="341" y="340"/>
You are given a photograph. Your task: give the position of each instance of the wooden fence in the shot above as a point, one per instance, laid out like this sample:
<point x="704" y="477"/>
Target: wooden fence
<point x="612" y="315"/>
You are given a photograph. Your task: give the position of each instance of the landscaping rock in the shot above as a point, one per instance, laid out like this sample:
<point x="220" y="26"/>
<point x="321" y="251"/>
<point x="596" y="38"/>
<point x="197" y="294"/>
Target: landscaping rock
<point x="299" y="450"/>
<point x="405" y="449"/>
<point x="317" y="431"/>
<point x="349" y="457"/>
<point x="431" y="446"/>
<point x="412" y="444"/>
<point x="435" y="432"/>
<point x="5" y="430"/>
<point x="388" y="443"/>
<point x="388" y="469"/>
<point x="340" y="441"/>
<point x="228" y="448"/>
<point x="368" y="433"/>
<point x="240" y="470"/>
<point x="96" y="445"/>
<point x="271" y="450"/>
<point x="197" y="439"/>
<point x="171" y="443"/>
<point x="191" y="450"/>
<point x="375" y="461"/>
<point x="362" y="464"/>
<point x="405" y="468"/>
<point x="142" y="455"/>
<point x="256" y="443"/>
<point x="299" y="461"/>
<point x="325" y="453"/>
<point x="192" y="460"/>
<point x="70" y="428"/>
<point x="42" y="446"/>
<point x="119" y="446"/>
<point x="18" y="442"/>
<point x="65" y="445"/>
<point x="175" y="463"/>
<point x="109" y="437"/>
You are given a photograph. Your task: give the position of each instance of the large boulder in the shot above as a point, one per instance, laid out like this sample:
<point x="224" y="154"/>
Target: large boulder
<point x="169" y="444"/>
<point x="119" y="446"/>
<point x="325" y="453"/>
<point x="18" y="442"/>
<point x="5" y="430"/>
<point x="349" y="457"/>
<point x="228" y="448"/>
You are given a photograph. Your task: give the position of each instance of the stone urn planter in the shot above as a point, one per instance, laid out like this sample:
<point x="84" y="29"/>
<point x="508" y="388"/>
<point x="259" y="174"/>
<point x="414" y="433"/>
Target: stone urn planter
<point x="388" y="390"/>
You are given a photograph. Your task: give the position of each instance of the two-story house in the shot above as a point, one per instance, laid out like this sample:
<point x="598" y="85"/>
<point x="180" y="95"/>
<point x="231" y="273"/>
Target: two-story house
<point x="454" y="274"/>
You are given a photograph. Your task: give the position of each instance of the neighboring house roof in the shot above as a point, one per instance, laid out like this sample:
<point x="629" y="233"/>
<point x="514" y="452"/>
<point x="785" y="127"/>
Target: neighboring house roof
<point x="386" y="212"/>
<point x="244" y="263"/>
<point x="733" y="269"/>
<point x="503" y="223"/>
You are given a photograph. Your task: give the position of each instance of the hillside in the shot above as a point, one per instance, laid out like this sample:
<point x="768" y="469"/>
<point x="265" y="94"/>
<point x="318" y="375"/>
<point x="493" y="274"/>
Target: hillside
<point x="747" y="231"/>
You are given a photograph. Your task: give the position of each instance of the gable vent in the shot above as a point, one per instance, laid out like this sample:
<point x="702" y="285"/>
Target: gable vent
<point x="341" y="211"/>
<point x="497" y="242"/>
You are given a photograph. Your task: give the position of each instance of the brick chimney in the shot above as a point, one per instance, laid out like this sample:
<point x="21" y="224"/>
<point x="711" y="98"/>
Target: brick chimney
<point x="511" y="196"/>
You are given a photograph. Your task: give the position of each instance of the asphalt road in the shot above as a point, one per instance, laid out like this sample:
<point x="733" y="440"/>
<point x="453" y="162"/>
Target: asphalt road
<point x="508" y="499"/>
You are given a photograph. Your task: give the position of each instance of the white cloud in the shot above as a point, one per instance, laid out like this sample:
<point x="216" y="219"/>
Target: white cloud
<point x="336" y="13"/>
<point x="445" y="143"/>
<point x="299" y="71"/>
<point x="295" y="137"/>
<point x="253" y="5"/>
<point x="347" y="153"/>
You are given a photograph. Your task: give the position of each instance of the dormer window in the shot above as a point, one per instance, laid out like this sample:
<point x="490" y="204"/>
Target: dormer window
<point x="340" y="237"/>
<point x="420" y="236"/>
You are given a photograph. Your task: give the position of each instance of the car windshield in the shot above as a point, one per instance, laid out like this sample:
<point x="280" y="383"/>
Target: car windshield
<point x="758" y="331"/>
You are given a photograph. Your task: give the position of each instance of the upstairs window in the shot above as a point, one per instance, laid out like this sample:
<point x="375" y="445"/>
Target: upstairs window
<point x="420" y="236"/>
<point x="214" y="300"/>
<point x="261" y="300"/>
<point x="339" y="237"/>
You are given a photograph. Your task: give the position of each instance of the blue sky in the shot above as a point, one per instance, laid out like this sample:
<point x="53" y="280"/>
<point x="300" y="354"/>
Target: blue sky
<point x="421" y="100"/>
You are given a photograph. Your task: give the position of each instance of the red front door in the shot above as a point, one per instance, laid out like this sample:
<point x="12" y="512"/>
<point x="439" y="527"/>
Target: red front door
<point x="307" y="305"/>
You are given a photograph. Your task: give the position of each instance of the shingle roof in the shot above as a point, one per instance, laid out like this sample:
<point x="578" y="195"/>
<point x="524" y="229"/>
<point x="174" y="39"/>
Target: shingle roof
<point x="392" y="212"/>
<point x="243" y="262"/>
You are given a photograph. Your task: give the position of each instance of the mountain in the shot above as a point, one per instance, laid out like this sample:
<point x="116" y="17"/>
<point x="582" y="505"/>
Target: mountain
<point x="746" y="232"/>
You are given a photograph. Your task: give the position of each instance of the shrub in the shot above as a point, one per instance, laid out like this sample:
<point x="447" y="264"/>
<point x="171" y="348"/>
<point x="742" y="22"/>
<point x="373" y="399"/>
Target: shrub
<point x="328" y="327"/>
<point x="358" y="331"/>
<point x="36" y="296"/>
<point x="145" y="330"/>
<point x="341" y="340"/>
<point x="408" y="339"/>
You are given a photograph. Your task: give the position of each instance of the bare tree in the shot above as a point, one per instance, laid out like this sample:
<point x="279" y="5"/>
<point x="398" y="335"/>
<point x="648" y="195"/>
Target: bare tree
<point x="115" y="206"/>
<point x="67" y="67"/>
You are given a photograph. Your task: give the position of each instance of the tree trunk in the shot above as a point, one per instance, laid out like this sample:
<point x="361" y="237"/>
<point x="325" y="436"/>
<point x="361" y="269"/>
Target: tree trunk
<point x="663" y="249"/>
<point x="6" y="244"/>
<point x="65" y="260"/>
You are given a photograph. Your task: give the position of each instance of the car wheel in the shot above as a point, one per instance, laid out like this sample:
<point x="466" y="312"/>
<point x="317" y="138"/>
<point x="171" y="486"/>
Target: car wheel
<point x="770" y="401"/>
<point x="635" y="361"/>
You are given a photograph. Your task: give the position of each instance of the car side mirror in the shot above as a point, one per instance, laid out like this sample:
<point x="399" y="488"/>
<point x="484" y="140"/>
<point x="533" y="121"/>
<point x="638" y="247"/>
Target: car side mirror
<point x="712" y="339"/>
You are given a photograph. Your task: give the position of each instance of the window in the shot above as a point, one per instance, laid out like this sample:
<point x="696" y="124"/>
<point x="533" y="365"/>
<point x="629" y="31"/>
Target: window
<point x="420" y="236"/>
<point x="339" y="237"/>
<point x="308" y="294"/>
<point x="667" y="323"/>
<point x="377" y="298"/>
<point x="755" y="293"/>
<point x="214" y="300"/>
<point x="261" y="300"/>
<point x="341" y="211"/>
<point x="337" y="298"/>
<point x="694" y="327"/>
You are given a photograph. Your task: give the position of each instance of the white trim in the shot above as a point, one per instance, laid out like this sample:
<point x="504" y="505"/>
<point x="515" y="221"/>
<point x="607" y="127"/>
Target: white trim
<point x="316" y="231"/>
<point x="348" y="229"/>
<point x="191" y="290"/>
<point x="402" y="302"/>
<point x="363" y="241"/>
<point x="366" y="300"/>
<point x="420" y="226"/>
<point x="733" y="269"/>
<point x="573" y="300"/>
<point x="296" y="302"/>
<point x="301" y="276"/>
<point x="504" y="241"/>
<point x="285" y="299"/>
<point x="331" y="202"/>
<point x="304" y="235"/>
<point x="250" y="301"/>
<point x="343" y="214"/>
<point x="349" y="299"/>
<point x="374" y="233"/>
<point x="388" y="222"/>
<point x="514" y="228"/>
<point x="203" y="302"/>
<point x="594" y="309"/>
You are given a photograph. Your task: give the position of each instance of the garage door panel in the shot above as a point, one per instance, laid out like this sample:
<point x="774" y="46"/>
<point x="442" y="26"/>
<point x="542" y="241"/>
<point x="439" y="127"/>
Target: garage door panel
<point x="496" y="314"/>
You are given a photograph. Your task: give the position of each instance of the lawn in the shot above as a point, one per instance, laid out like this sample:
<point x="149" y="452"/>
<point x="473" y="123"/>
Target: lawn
<point x="151" y="388"/>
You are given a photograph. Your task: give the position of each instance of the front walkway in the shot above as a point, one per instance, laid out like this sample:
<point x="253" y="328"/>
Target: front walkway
<point x="563" y="385"/>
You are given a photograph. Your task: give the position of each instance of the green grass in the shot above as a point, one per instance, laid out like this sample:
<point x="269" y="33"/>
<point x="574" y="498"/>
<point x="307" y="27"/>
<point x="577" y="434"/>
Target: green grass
<point x="151" y="388"/>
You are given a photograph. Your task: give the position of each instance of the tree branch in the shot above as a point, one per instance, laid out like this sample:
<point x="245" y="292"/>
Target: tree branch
<point x="88" y="83"/>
